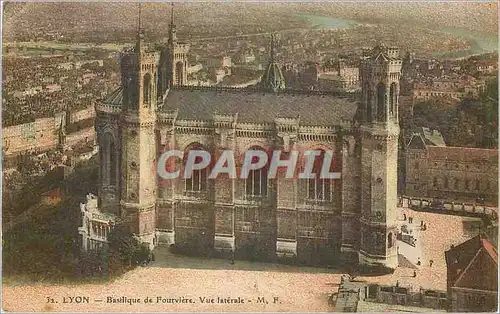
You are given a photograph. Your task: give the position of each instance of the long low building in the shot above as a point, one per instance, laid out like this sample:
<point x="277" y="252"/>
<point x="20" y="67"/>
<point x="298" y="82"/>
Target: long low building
<point x="43" y="133"/>
<point x="451" y="173"/>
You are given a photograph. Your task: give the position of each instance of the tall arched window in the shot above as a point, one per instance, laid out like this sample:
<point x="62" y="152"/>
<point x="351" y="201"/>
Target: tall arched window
<point x="108" y="160"/>
<point x="112" y="162"/>
<point x="390" y="242"/>
<point x="381" y="116"/>
<point x="317" y="188"/>
<point x="369" y="103"/>
<point x="179" y="73"/>
<point x="198" y="180"/>
<point x="147" y="89"/>
<point x="393" y="100"/>
<point x="256" y="183"/>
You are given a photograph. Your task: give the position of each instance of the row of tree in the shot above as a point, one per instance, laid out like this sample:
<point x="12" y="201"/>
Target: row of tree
<point x="45" y="246"/>
<point x="471" y="123"/>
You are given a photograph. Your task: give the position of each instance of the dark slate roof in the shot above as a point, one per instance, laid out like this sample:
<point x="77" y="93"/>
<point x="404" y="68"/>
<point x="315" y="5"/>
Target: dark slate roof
<point x="260" y="107"/>
<point x="273" y="79"/>
<point x="115" y="97"/>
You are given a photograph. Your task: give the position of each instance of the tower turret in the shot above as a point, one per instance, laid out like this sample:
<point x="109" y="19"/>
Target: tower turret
<point x="138" y="154"/>
<point x="381" y="73"/>
<point x="173" y="60"/>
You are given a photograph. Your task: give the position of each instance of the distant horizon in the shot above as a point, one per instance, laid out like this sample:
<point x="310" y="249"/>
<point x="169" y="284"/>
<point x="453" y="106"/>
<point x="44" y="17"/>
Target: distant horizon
<point x="103" y="17"/>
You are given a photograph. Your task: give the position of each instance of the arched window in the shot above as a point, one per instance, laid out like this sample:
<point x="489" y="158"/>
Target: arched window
<point x="394" y="98"/>
<point x="147" y="89"/>
<point x="112" y="162"/>
<point x="108" y="160"/>
<point x="369" y="103"/>
<point x="198" y="180"/>
<point x="317" y="188"/>
<point x="381" y="102"/>
<point x="256" y="183"/>
<point x="477" y="184"/>
<point x="435" y="183"/>
<point x="390" y="242"/>
<point x="446" y="182"/>
<point x="160" y="81"/>
<point x="179" y="73"/>
<point x="455" y="185"/>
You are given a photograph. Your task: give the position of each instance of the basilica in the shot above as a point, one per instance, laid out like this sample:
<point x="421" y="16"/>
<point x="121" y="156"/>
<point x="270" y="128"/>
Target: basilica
<point x="316" y="221"/>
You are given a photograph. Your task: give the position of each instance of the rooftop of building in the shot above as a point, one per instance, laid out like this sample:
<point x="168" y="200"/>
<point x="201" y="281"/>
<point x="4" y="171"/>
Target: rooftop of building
<point x="463" y="154"/>
<point x="431" y="136"/>
<point x="432" y="141"/>
<point x="477" y="252"/>
<point x="255" y="105"/>
<point x="314" y="108"/>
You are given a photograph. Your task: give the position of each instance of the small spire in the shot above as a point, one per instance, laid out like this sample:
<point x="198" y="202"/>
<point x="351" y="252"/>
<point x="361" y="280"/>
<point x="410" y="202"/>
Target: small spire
<point x="171" y="15"/>
<point x="140" y="35"/>
<point x="273" y="79"/>
<point x="272" y="47"/>
<point x="172" y="32"/>
<point x="139" y="19"/>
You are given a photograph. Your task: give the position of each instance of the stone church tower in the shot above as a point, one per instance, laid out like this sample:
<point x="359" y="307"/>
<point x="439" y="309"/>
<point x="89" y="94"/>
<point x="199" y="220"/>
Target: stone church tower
<point x="138" y="153"/>
<point x="379" y="133"/>
<point x="173" y="60"/>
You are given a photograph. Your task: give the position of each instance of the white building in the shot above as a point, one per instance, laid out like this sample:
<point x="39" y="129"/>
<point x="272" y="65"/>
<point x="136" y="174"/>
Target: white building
<point x="96" y="225"/>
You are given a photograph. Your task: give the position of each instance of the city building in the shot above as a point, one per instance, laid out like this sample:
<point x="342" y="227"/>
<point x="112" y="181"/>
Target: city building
<point x="319" y="221"/>
<point x="472" y="275"/>
<point x="220" y="61"/>
<point x="456" y="173"/>
<point x="246" y="56"/>
<point x="43" y="133"/>
<point x="342" y="76"/>
<point x="458" y="88"/>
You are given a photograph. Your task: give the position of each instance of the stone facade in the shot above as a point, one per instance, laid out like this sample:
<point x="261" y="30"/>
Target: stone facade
<point x="318" y="221"/>
<point x="42" y="134"/>
<point x="461" y="174"/>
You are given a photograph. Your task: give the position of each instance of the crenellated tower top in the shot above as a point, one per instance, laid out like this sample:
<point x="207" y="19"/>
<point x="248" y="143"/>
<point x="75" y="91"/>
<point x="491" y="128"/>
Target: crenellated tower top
<point x="381" y="72"/>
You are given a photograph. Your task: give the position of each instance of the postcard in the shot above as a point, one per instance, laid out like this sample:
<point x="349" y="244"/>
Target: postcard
<point x="250" y="157"/>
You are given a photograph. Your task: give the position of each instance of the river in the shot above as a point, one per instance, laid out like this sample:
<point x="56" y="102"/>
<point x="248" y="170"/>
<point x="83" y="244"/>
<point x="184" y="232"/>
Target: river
<point x="481" y="42"/>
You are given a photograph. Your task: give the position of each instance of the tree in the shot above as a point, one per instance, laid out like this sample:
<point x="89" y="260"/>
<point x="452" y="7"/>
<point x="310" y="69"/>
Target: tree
<point x="470" y="123"/>
<point x="125" y="251"/>
<point x="123" y="244"/>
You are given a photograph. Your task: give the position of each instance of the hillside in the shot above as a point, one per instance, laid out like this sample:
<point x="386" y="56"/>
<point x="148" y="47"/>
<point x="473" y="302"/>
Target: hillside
<point x="120" y="19"/>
